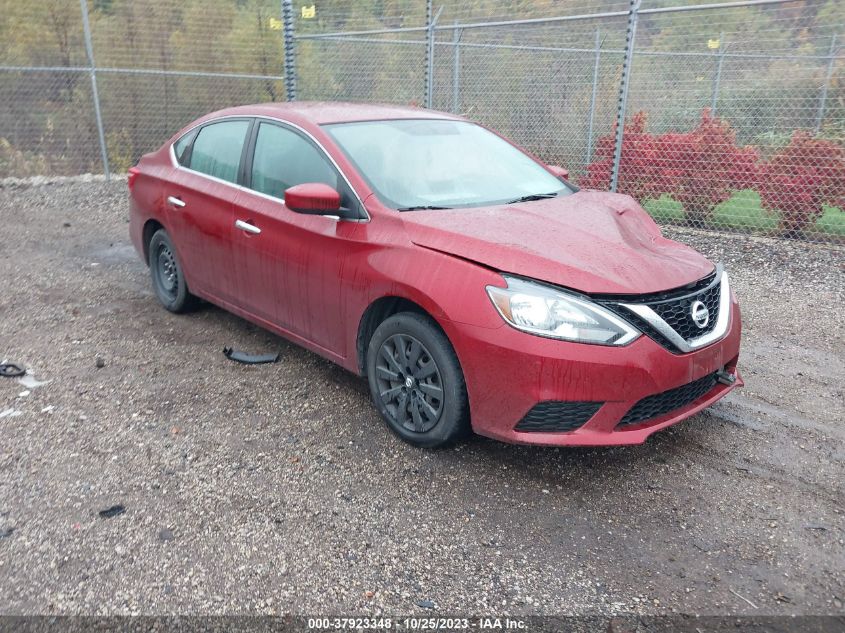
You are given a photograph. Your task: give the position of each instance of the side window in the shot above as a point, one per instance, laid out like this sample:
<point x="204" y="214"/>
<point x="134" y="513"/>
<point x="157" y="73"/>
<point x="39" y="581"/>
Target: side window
<point x="283" y="158"/>
<point x="217" y="149"/>
<point x="180" y="147"/>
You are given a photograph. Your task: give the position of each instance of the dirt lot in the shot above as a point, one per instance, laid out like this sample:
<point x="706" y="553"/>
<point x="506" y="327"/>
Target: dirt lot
<point x="276" y="488"/>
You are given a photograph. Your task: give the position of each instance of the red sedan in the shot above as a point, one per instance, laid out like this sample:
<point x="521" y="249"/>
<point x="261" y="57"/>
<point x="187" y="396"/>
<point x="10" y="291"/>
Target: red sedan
<point x="474" y="286"/>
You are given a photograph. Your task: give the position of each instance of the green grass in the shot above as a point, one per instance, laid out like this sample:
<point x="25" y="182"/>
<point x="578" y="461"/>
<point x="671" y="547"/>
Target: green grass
<point x="665" y="209"/>
<point x="832" y="221"/>
<point x="743" y="212"/>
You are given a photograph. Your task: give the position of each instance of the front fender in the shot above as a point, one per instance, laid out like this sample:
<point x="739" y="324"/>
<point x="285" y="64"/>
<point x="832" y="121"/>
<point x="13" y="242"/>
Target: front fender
<point x="450" y="289"/>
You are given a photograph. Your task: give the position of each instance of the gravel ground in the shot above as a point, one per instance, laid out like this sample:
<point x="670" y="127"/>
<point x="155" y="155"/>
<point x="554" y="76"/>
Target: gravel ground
<point x="277" y="489"/>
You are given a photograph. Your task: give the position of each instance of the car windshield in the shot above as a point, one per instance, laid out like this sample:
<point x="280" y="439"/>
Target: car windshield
<point x="432" y="163"/>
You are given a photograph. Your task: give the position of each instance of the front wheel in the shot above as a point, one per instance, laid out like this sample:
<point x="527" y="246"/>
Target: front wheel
<point x="168" y="279"/>
<point x="416" y="381"/>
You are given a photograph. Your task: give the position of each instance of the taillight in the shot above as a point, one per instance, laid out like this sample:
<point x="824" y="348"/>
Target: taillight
<point x="133" y="174"/>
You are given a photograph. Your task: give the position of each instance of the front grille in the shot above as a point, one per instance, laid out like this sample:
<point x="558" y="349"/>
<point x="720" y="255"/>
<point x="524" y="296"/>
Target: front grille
<point x="677" y="312"/>
<point x="660" y="404"/>
<point x="554" y="416"/>
<point x="674" y="307"/>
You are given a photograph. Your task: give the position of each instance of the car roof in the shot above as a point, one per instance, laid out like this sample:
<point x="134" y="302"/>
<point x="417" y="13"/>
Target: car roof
<point x="323" y="112"/>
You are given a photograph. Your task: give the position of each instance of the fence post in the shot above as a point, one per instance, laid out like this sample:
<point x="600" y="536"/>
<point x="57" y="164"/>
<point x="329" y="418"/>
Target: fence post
<point x="593" y="100"/>
<point x="290" y="54"/>
<point x="95" y="94"/>
<point x="429" y="51"/>
<point x="623" y="93"/>
<point x="717" y="76"/>
<point x="456" y="70"/>
<point x="826" y="85"/>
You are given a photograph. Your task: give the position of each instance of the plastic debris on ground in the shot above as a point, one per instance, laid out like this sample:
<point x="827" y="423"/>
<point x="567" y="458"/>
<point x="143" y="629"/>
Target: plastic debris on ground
<point x="113" y="511"/>
<point x="249" y="359"/>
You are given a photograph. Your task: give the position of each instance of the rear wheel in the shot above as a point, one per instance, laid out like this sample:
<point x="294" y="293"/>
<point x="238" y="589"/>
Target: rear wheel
<point x="416" y="381"/>
<point x="168" y="279"/>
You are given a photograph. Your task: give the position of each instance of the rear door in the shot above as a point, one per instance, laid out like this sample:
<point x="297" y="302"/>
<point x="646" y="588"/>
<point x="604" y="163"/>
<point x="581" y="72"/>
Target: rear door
<point x="199" y="202"/>
<point x="290" y="264"/>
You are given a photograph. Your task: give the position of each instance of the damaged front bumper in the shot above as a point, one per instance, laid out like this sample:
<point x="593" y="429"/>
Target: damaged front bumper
<point x="588" y="395"/>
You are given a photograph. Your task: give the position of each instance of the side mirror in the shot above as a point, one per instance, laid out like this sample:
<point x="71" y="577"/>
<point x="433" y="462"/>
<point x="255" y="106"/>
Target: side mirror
<point x="558" y="171"/>
<point x="314" y="198"/>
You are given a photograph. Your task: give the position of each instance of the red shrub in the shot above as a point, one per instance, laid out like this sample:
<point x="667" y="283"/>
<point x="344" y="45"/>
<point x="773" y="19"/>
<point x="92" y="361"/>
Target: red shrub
<point x="706" y="166"/>
<point x="700" y="168"/>
<point x="637" y="175"/>
<point x="801" y="178"/>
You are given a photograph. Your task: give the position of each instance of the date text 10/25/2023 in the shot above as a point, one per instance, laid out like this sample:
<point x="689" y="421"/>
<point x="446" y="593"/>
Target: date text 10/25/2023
<point x="416" y="623"/>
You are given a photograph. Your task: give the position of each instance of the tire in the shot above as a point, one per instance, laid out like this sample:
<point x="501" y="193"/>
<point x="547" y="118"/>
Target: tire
<point x="168" y="279"/>
<point x="416" y="381"/>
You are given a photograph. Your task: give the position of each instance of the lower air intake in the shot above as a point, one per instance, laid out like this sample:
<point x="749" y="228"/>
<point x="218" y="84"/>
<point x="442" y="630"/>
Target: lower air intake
<point x="660" y="404"/>
<point x="555" y="416"/>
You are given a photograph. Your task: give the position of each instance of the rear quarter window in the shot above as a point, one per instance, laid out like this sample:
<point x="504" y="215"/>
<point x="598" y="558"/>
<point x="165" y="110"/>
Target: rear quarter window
<point x="183" y="145"/>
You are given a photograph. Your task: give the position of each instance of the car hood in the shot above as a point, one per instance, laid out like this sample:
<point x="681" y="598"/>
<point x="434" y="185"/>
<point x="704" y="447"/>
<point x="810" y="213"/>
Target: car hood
<point x="591" y="241"/>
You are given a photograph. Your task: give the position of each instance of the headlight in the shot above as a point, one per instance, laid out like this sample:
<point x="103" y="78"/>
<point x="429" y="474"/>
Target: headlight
<point x="546" y="311"/>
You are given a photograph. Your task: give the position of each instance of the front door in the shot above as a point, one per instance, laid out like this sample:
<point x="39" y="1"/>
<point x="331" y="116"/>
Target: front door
<point x="289" y="265"/>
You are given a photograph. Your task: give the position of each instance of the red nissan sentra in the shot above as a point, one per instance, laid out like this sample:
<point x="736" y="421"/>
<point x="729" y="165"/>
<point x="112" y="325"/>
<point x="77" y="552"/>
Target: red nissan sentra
<point x="474" y="286"/>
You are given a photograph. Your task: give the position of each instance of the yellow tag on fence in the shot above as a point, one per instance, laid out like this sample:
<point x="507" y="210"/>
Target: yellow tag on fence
<point x="276" y="24"/>
<point x="309" y="13"/>
<point x="712" y="43"/>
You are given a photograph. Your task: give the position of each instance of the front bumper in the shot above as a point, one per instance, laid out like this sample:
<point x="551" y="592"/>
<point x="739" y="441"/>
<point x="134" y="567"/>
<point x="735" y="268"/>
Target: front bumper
<point x="508" y="372"/>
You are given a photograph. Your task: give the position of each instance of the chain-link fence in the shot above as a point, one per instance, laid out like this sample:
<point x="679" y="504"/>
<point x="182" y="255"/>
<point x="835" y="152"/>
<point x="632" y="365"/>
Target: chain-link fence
<point x="90" y="86"/>
<point x="734" y="111"/>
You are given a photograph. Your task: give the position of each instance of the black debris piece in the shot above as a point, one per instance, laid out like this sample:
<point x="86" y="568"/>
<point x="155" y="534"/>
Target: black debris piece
<point x="11" y="370"/>
<point x="114" y="511"/>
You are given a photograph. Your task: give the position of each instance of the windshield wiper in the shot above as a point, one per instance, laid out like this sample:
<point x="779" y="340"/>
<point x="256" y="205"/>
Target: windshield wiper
<point x="421" y="208"/>
<point x="532" y="196"/>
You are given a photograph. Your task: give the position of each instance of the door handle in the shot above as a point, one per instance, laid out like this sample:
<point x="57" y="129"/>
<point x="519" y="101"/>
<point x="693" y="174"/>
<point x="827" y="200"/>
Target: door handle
<point x="246" y="226"/>
<point x="175" y="202"/>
